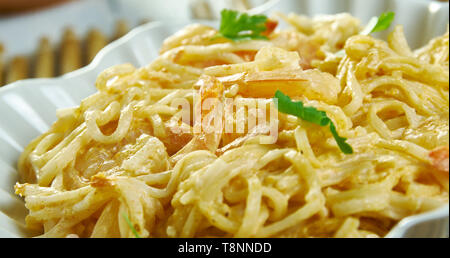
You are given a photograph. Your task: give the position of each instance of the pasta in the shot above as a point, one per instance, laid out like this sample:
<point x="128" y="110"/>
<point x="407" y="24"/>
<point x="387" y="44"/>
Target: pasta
<point x="241" y="168"/>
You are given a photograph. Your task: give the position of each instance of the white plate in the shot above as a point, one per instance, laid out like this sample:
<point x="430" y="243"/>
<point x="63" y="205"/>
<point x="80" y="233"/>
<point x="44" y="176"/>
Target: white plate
<point x="27" y="109"/>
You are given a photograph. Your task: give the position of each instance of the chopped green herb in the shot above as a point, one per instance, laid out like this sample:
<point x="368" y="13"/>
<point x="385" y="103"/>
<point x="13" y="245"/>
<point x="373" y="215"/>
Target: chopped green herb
<point x="345" y="147"/>
<point x="378" y="23"/>
<point x="131" y="226"/>
<point x="310" y="114"/>
<point x="374" y="25"/>
<point x="241" y="26"/>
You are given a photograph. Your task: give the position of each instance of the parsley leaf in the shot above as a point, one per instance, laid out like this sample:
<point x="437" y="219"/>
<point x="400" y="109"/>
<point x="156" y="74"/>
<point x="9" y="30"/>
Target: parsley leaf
<point x="345" y="147"/>
<point x="136" y="234"/>
<point x="374" y="25"/>
<point x="241" y="26"/>
<point x="378" y="23"/>
<point x="311" y="114"/>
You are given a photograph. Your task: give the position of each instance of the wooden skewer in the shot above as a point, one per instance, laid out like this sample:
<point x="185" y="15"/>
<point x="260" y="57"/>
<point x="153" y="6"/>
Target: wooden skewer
<point x="45" y="60"/>
<point x="202" y="10"/>
<point x="241" y="5"/>
<point x="18" y="69"/>
<point x="1" y="64"/>
<point x="70" y="58"/>
<point x="144" y="21"/>
<point x="95" y="41"/>
<point x="121" y="29"/>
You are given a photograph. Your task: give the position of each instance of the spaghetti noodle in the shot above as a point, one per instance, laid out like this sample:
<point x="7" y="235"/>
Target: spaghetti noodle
<point x="127" y="152"/>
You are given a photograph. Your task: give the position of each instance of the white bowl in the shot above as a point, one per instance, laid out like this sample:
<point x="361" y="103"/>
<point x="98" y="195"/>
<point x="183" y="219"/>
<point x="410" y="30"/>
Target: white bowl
<point x="27" y="109"/>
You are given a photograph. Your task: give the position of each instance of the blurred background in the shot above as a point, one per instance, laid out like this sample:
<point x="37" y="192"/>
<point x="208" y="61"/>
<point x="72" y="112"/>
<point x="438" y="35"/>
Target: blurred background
<point x="48" y="38"/>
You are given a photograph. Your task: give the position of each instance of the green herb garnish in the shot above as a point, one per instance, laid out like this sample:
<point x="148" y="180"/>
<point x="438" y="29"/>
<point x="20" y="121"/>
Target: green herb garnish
<point x="378" y="23"/>
<point x="310" y="114"/>
<point x="241" y="26"/>
<point x="374" y="25"/>
<point x="136" y="234"/>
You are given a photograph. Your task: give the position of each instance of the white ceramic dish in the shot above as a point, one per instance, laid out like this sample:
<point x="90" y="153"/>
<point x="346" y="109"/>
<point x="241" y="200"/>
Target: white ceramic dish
<point x="27" y="109"/>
